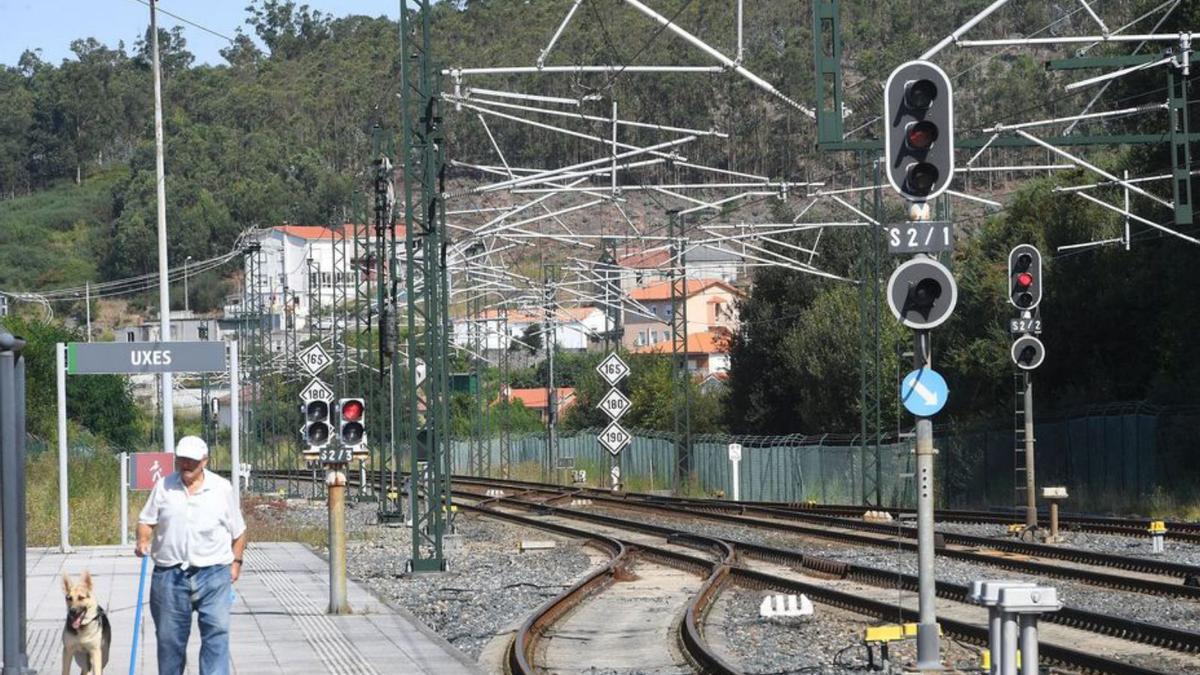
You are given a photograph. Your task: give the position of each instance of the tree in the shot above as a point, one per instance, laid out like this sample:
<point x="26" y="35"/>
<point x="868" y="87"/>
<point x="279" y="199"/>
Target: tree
<point x="103" y="404"/>
<point x="531" y="339"/>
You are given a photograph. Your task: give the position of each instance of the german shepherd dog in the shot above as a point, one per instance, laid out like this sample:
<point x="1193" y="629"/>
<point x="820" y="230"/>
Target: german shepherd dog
<point x="87" y="635"/>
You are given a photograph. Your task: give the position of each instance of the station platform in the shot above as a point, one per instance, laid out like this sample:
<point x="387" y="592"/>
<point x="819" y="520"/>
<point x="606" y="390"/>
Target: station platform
<point x="279" y="624"/>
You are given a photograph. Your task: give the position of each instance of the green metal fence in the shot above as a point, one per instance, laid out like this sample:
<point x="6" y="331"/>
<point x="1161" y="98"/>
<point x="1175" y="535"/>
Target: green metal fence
<point x="1122" y="456"/>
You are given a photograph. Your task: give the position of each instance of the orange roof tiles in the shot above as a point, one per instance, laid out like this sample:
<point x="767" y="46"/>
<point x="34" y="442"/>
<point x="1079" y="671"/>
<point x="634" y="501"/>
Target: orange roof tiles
<point x="662" y="289"/>
<point x="536" y="398"/>
<point x="312" y="232"/>
<point x="645" y="259"/>
<point x="709" y="342"/>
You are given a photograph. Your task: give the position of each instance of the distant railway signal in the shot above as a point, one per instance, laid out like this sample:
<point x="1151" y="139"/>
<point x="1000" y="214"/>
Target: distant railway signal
<point x="1025" y="277"/>
<point x="922" y="293"/>
<point x="919" y="130"/>
<point x="1028" y="352"/>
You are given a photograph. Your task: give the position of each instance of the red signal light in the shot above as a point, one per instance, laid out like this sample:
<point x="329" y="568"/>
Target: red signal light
<point x="1024" y="279"/>
<point x="352" y="411"/>
<point x="921" y="135"/>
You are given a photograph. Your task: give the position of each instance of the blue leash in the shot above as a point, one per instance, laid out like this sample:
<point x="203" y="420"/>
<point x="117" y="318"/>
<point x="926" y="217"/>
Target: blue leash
<point x="137" y="615"/>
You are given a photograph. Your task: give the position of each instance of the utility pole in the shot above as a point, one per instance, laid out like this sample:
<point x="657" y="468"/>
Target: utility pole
<point x="87" y="304"/>
<point x="164" y="291"/>
<point x="186" y="305"/>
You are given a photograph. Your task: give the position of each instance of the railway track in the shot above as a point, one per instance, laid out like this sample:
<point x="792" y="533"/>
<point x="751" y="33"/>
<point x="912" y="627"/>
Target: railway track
<point x="1161" y="641"/>
<point x="623" y="555"/>
<point x="871" y="580"/>
<point x="1138" y="574"/>
<point x="1176" y="530"/>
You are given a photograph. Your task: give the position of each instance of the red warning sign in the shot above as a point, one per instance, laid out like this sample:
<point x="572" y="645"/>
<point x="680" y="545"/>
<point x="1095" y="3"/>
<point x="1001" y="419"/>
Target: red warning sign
<point x="150" y="467"/>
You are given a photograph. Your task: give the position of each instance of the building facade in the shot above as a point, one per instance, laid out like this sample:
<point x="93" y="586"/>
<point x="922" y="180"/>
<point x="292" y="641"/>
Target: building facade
<point x="711" y="306"/>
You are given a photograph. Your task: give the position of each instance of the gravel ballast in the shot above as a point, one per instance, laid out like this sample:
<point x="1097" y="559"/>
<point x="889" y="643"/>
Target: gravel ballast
<point x="490" y="584"/>
<point x="1174" y="612"/>
<point x="1135" y="547"/>
<point x="829" y="641"/>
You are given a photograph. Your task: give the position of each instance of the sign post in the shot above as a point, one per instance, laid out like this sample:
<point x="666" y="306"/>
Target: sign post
<point x="614" y="404"/>
<point x="735" y="461"/>
<point x="127" y="358"/>
<point x="124" y="499"/>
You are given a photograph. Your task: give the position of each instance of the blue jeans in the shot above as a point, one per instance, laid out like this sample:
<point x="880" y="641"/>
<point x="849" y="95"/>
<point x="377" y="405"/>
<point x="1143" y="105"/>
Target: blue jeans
<point x="174" y="595"/>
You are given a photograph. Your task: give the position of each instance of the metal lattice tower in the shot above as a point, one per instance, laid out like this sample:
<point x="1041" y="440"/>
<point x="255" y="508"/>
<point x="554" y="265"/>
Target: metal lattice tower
<point x="385" y="344"/>
<point x="506" y="422"/>
<point x="477" y="341"/>
<point x="423" y="157"/>
<point x="870" y="358"/>
<point x="550" y="343"/>
<point x="680" y="376"/>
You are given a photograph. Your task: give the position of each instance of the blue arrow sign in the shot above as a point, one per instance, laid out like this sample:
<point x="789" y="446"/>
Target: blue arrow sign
<point x="923" y="392"/>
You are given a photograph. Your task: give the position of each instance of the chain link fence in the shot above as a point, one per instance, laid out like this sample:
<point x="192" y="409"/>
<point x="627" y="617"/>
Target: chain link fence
<point x="1126" y="456"/>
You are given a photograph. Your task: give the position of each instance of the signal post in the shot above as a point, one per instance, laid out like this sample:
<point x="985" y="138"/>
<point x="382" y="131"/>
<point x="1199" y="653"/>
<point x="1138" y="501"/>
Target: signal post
<point x="1025" y="293"/>
<point x="334" y="452"/>
<point x="919" y="147"/>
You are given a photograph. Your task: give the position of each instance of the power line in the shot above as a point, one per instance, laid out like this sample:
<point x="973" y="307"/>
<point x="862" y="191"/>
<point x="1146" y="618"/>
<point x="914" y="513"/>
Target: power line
<point x="189" y="22"/>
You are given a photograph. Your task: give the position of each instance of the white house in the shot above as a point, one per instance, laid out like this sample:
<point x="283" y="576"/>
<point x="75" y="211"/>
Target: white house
<point x="575" y="327"/>
<point x="641" y="268"/>
<point x="297" y="269"/>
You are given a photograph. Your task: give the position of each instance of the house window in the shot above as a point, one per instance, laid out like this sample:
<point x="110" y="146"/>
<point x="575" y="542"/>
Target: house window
<point x="641" y="338"/>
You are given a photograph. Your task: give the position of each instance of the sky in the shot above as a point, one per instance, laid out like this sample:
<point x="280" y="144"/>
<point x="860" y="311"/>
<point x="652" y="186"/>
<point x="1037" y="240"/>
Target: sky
<point x="51" y="25"/>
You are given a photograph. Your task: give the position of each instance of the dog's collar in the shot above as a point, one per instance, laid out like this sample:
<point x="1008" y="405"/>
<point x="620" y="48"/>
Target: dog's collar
<point x="99" y="613"/>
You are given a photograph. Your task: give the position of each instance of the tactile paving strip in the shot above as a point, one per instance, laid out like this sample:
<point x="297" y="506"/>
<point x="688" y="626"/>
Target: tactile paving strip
<point x="332" y="646"/>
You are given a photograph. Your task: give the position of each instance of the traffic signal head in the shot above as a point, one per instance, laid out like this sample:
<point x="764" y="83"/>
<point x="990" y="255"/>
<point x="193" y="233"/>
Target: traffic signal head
<point x="922" y="293"/>
<point x="351" y="431"/>
<point x="1025" y="277"/>
<point x="316" y="423"/>
<point x="919" y="130"/>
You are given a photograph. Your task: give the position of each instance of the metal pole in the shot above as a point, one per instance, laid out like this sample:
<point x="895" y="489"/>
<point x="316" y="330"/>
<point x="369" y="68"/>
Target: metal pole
<point x="1054" y="520"/>
<point x="186" y="305"/>
<point x="64" y="516"/>
<point x="995" y="641"/>
<point x="736" y="481"/>
<point x="164" y="295"/>
<point x="1008" y="644"/>
<point x="87" y="303"/>
<point x="1029" y="643"/>
<point x="235" y="425"/>
<point x="19" y="434"/>
<point x="11" y="463"/>
<point x="1030" y="494"/>
<point x="928" y="640"/>
<point x="124" y="498"/>
<point x="335" y="479"/>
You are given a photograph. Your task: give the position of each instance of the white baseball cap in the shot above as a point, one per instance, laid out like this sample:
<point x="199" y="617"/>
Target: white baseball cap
<point x="191" y="447"/>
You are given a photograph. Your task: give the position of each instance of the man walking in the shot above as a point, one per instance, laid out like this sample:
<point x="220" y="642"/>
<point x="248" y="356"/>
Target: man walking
<point x="198" y="539"/>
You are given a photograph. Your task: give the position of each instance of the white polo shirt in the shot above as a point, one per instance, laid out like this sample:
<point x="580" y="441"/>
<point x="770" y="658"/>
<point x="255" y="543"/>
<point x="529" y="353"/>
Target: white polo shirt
<point x="193" y="530"/>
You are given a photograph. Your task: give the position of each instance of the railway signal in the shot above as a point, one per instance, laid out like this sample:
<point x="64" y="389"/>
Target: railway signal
<point x="351" y="427"/>
<point x="1025" y="277"/>
<point x="919" y="130"/>
<point x="316" y="425"/>
<point x="1028" y="352"/>
<point x="922" y="293"/>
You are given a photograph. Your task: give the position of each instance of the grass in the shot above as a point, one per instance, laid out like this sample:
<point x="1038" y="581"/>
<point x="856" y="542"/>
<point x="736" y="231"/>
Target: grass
<point x="50" y="236"/>
<point x="94" y="499"/>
